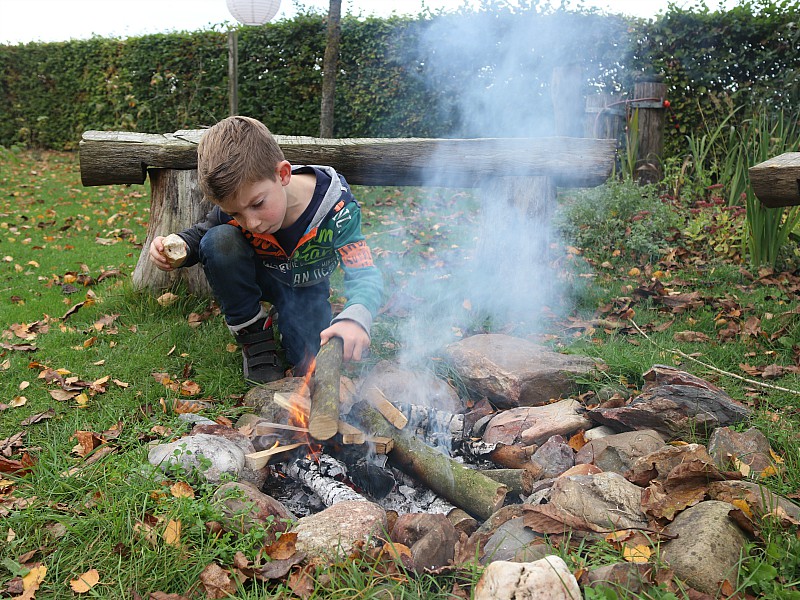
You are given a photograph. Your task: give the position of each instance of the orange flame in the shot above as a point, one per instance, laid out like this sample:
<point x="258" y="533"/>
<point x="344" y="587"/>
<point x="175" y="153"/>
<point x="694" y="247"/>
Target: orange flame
<point x="300" y="408"/>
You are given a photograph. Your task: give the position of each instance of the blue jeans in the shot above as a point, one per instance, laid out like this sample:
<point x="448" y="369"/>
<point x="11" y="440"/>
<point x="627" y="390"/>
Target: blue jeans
<point x="240" y="282"/>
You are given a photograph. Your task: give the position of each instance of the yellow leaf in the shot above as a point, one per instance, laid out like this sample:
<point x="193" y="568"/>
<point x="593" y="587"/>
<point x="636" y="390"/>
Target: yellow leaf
<point x="85" y="582"/>
<point x="32" y="581"/>
<point x="637" y="554"/>
<point x="769" y="471"/>
<point x="172" y="533"/>
<point x="182" y="490"/>
<point x="82" y="399"/>
<point x="743" y="506"/>
<point x="743" y="468"/>
<point x="775" y="457"/>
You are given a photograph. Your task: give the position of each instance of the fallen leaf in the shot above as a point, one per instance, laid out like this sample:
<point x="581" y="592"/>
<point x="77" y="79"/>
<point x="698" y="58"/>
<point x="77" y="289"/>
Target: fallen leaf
<point x="167" y="299"/>
<point x="216" y="582"/>
<point x="172" y="533"/>
<point x="18" y="401"/>
<point x="31" y="582"/>
<point x="283" y="547"/>
<point x="85" y="582"/>
<point x="636" y="554"/>
<point x="182" y="490"/>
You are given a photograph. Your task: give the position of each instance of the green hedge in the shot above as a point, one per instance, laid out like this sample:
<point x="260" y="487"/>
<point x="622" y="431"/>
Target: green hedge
<point x="484" y="73"/>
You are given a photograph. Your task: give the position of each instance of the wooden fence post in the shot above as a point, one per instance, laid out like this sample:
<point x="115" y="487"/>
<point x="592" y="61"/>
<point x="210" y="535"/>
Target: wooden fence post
<point x="566" y="87"/>
<point x="605" y="117"/>
<point x="648" y="99"/>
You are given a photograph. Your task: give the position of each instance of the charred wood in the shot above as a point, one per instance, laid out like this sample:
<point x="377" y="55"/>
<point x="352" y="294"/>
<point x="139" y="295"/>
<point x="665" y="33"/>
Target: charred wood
<point x="320" y="478"/>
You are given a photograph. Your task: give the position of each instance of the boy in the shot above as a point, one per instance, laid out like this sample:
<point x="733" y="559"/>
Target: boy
<point x="276" y="233"/>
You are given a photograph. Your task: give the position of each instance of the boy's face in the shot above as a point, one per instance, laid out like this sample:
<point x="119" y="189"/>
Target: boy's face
<point x="259" y="207"/>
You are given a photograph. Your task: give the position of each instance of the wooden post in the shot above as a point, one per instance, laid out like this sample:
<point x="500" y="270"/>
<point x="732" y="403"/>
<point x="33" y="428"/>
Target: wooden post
<point x="566" y="91"/>
<point x="330" y="65"/>
<point x="648" y="99"/>
<point x="604" y="118"/>
<point x="233" y="72"/>
<point x="175" y="201"/>
<point x="323" y="416"/>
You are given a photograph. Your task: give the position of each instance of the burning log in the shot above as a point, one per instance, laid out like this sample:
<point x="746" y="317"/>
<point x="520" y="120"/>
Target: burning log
<point x="323" y="416"/>
<point x="319" y="478"/>
<point x="436" y="427"/>
<point x="381" y="444"/>
<point x="466" y="488"/>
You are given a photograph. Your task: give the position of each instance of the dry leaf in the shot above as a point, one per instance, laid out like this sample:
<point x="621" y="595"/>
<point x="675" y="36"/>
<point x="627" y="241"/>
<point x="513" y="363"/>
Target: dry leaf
<point x="167" y="299"/>
<point x="182" y="490"/>
<point x="216" y="582"/>
<point x="636" y="554"/>
<point x="23" y="385"/>
<point x="32" y="581"/>
<point x="172" y="533"/>
<point x="62" y="395"/>
<point x="18" y="401"/>
<point x="283" y="548"/>
<point x="85" y="582"/>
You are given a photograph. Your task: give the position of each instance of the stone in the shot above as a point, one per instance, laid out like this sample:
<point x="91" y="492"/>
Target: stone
<point x="555" y="456"/>
<point x="211" y="456"/>
<point x="606" y="501"/>
<point x="675" y="404"/>
<point x="546" y="579"/>
<point x="747" y="451"/>
<point x="535" y="424"/>
<point x="412" y="386"/>
<point x="619" y="451"/>
<point x="244" y="506"/>
<point x="708" y="546"/>
<point x="507" y="540"/>
<point x="256" y="477"/>
<point x="761" y="500"/>
<point x="598" y="432"/>
<point x="430" y="537"/>
<point x="514" y="372"/>
<point x="625" y="578"/>
<point x="332" y="533"/>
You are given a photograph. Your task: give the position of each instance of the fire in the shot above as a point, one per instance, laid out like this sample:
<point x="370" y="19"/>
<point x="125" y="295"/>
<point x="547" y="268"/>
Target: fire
<point x="299" y="411"/>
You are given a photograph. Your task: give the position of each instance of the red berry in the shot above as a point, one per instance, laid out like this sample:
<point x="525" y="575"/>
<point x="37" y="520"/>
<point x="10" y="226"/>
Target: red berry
<point x="666" y="104"/>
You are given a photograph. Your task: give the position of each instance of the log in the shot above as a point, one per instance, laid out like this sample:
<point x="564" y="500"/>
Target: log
<point x="351" y="435"/>
<point x="176" y="200"/>
<point x="776" y="182"/>
<point x="511" y="457"/>
<point x="381" y="444"/>
<point x="466" y="488"/>
<point x="518" y="481"/>
<point x="326" y="487"/>
<point x="323" y="416"/>
<point x="118" y="157"/>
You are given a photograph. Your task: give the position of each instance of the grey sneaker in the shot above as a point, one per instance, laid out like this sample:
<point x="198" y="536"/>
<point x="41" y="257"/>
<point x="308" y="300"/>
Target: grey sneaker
<point x="260" y="360"/>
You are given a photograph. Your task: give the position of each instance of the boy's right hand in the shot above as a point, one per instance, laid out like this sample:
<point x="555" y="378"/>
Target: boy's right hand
<point x="157" y="255"/>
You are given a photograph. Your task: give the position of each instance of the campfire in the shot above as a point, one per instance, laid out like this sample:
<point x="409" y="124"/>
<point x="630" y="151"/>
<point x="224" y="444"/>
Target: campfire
<point x="344" y="444"/>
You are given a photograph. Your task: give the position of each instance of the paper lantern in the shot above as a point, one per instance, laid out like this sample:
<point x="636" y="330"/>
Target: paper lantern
<point x="253" y="12"/>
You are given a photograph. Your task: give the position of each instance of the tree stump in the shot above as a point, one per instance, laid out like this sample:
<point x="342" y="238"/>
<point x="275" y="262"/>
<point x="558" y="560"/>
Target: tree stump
<point x="176" y="203"/>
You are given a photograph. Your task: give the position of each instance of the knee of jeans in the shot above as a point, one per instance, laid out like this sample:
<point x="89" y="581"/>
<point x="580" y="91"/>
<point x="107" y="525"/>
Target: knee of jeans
<point x="223" y="243"/>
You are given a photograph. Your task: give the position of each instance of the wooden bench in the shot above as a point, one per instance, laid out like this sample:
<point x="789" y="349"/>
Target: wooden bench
<point x="522" y="171"/>
<point x="776" y="182"/>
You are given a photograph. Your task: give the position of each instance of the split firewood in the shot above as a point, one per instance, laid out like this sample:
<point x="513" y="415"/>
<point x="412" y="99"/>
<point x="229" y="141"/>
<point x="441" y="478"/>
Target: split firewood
<point x="267" y="427"/>
<point x="259" y="460"/>
<point x="323" y="416"/>
<point x="376" y="398"/>
<point x="518" y="481"/>
<point x="292" y="402"/>
<point x="432" y="422"/>
<point x="466" y="488"/>
<point x="326" y="487"/>
<point x="351" y="434"/>
<point x="381" y="445"/>
<point x="174" y="250"/>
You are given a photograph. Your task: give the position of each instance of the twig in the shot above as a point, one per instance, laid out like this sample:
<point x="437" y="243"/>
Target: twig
<point x="713" y="368"/>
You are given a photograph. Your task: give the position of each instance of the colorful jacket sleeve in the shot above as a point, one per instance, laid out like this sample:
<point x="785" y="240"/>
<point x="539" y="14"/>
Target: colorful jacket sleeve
<point x="363" y="282"/>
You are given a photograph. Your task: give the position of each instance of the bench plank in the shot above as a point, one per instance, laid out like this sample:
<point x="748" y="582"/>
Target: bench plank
<point x="776" y="182"/>
<point x="113" y="157"/>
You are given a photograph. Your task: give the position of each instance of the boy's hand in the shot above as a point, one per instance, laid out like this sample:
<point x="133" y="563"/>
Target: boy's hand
<point x="354" y="339"/>
<point x="157" y="254"/>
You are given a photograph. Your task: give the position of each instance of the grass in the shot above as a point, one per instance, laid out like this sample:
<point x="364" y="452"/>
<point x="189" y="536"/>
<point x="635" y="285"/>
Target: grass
<point x="66" y="255"/>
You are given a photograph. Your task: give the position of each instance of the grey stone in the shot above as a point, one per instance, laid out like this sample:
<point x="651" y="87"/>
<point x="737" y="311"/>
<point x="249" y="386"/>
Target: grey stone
<point x="507" y="540"/>
<point x="708" y="547"/>
<point x="607" y="501"/>
<point x="626" y="578"/>
<point x="513" y="372"/>
<point x="619" y="451"/>
<point x="750" y="448"/>
<point x="331" y="534"/>
<point x="536" y="424"/>
<point x="555" y="456"/>
<point x="757" y="496"/>
<point x="190" y="454"/>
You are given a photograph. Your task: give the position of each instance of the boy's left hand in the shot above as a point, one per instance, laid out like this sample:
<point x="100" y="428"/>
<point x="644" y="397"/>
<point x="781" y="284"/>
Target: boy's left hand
<point x="354" y="339"/>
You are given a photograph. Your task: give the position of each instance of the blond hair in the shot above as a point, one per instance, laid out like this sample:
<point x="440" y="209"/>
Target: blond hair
<point x="235" y="152"/>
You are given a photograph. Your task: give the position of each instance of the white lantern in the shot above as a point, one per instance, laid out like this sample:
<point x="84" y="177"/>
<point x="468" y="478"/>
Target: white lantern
<point x="253" y="12"/>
